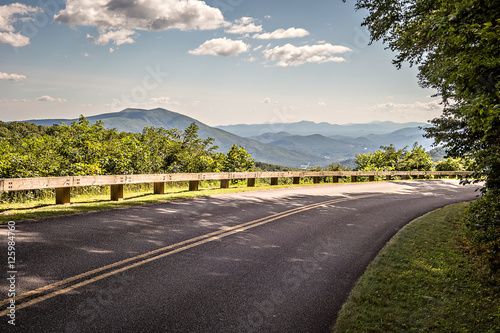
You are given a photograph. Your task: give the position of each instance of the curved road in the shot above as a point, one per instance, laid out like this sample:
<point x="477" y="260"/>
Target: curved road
<point x="269" y="261"/>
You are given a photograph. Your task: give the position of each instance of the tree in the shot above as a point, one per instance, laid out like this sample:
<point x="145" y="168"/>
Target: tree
<point x="455" y="44"/>
<point x="416" y="159"/>
<point x="237" y="159"/>
<point x="388" y="158"/>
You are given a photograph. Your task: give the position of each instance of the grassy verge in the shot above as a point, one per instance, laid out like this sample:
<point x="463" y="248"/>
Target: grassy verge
<point x="424" y="281"/>
<point x="43" y="208"/>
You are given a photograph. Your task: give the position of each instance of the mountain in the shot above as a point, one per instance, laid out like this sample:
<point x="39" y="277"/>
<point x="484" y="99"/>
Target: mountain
<point x="303" y="143"/>
<point x="401" y="138"/>
<point x="338" y="148"/>
<point x="335" y="150"/>
<point x="134" y="120"/>
<point x="309" y="128"/>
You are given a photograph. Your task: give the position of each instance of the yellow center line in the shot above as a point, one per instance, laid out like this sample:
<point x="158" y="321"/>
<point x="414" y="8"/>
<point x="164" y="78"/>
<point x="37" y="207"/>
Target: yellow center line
<point x="174" y="248"/>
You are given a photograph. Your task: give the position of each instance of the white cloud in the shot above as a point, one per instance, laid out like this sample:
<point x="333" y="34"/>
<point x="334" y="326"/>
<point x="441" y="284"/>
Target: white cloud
<point x="282" y="33"/>
<point x="14" y="39"/>
<point x="50" y="99"/>
<point x="417" y="107"/>
<point x="245" y="25"/>
<point x="321" y="104"/>
<point x="290" y="55"/>
<point x="119" y="37"/>
<point x="141" y="14"/>
<point x="267" y="17"/>
<point x="258" y="47"/>
<point x="221" y="47"/>
<point x="9" y="14"/>
<point x="160" y="100"/>
<point x="12" y="77"/>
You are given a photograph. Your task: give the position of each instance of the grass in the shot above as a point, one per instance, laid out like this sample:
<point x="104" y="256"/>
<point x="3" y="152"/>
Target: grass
<point x="84" y="200"/>
<point x="424" y="280"/>
<point x="134" y="196"/>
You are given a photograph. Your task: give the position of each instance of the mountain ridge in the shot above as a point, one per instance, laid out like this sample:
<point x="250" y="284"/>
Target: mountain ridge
<point x="276" y="146"/>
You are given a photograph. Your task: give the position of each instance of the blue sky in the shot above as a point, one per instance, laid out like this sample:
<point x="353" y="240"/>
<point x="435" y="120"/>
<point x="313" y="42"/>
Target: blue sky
<point x="219" y="61"/>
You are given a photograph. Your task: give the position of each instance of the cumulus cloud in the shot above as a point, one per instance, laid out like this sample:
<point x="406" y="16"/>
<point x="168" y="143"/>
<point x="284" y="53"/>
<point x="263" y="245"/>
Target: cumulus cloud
<point x="290" y="55"/>
<point x="12" y="77"/>
<point x="119" y="37"/>
<point x="245" y="25"/>
<point x="141" y="14"/>
<point x="221" y="47"/>
<point x="9" y="14"/>
<point x="282" y="34"/>
<point x="50" y="99"/>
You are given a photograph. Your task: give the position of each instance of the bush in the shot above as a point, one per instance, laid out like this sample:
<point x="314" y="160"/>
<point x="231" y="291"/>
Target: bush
<point x="482" y="222"/>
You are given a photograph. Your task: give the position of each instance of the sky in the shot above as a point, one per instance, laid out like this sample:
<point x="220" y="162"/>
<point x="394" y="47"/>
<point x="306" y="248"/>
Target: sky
<point x="218" y="61"/>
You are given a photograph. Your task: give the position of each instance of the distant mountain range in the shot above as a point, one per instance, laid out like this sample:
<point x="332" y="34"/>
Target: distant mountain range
<point x="292" y="145"/>
<point x="326" y="129"/>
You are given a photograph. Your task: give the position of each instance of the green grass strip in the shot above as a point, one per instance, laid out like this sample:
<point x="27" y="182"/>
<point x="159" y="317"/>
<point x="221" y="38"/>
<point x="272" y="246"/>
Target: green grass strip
<point x="38" y="209"/>
<point x="423" y="281"/>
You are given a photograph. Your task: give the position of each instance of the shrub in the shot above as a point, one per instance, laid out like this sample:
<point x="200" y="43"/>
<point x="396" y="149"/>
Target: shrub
<point x="482" y="222"/>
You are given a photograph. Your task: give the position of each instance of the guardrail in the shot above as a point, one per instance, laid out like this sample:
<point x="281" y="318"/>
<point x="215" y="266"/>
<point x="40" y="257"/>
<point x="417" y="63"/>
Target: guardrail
<point x="62" y="185"/>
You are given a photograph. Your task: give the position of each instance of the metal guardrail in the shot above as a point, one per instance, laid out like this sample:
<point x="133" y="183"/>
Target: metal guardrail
<point x="62" y="185"/>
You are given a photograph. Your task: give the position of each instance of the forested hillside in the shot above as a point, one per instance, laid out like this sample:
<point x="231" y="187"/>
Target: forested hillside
<point x="81" y="148"/>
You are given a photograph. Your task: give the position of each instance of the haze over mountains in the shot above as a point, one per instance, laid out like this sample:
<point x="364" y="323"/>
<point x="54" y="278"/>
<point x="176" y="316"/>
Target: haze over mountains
<point x="288" y="144"/>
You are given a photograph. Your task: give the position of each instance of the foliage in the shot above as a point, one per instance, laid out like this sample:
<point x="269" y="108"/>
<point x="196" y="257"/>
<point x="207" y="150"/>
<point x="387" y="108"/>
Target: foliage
<point x="261" y="166"/>
<point x="482" y="221"/>
<point x="82" y="148"/>
<point x="336" y="167"/>
<point x="389" y="158"/>
<point x="237" y="159"/>
<point x="454" y="164"/>
<point x="455" y="45"/>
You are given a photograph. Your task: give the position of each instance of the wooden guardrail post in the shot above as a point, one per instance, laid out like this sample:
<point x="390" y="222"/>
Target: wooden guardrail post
<point x="316" y="179"/>
<point x="63" y="195"/>
<point x="193" y="185"/>
<point x="116" y="192"/>
<point x="388" y="177"/>
<point x="335" y="179"/>
<point x="296" y="180"/>
<point x="354" y="179"/>
<point x="405" y="177"/>
<point x="159" y="188"/>
<point x="421" y="177"/>
<point x="224" y="183"/>
<point x="274" y="181"/>
<point x="371" y="178"/>
<point x="251" y="182"/>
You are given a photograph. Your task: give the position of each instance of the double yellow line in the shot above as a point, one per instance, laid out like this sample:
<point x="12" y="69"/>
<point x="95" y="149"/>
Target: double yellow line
<point x="142" y="259"/>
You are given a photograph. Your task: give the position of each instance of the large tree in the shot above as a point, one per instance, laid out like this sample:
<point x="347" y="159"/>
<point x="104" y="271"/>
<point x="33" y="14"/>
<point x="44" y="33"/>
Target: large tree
<point x="456" y="46"/>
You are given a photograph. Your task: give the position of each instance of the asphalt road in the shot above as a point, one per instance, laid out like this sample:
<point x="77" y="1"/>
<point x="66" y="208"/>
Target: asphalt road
<point x="268" y="261"/>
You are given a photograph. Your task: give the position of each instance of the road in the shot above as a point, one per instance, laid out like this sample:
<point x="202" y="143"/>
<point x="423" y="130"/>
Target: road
<point x="268" y="261"/>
